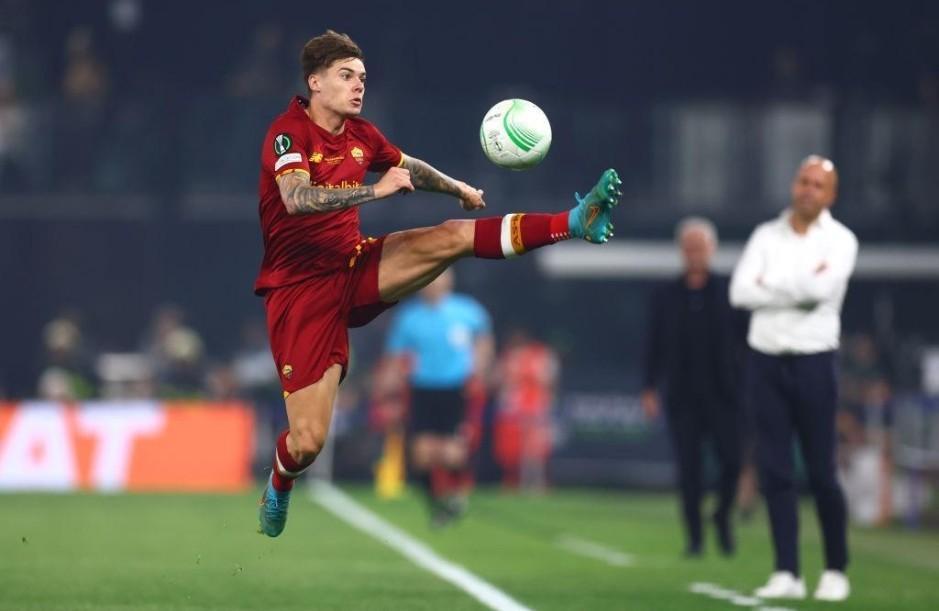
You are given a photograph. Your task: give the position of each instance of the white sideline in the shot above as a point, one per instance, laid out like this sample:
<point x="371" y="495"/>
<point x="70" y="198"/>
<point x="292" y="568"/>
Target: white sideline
<point x="583" y="547"/>
<point x="354" y="514"/>
<point x="732" y="596"/>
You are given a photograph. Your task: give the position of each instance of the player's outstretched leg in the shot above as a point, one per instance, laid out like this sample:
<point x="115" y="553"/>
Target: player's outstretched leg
<point x="590" y="218"/>
<point x="413" y="258"/>
<point x="272" y="509"/>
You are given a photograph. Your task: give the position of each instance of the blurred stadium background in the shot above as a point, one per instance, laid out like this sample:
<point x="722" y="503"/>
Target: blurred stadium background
<point x="129" y="148"/>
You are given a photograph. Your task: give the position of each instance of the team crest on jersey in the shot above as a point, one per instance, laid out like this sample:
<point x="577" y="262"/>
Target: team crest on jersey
<point x="357" y="154"/>
<point x="316" y="157"/>
<point x="282" y="143"/>
<point x="287" y="371"/>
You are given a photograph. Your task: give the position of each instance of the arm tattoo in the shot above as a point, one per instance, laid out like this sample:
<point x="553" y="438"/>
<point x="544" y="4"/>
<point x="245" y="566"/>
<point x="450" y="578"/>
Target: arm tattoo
<point x="427" y="178"/>
<point x="300" y="197"/>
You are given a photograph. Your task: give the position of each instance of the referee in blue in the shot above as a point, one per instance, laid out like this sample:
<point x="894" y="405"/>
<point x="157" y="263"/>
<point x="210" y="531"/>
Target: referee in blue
<point x="793" y="276"/>
<point x="441" y="339"/>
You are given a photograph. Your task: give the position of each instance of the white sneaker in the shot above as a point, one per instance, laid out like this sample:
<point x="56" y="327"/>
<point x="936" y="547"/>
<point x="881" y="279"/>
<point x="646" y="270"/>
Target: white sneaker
<point x="782" y="584"/>
<point x="833" y="586"/>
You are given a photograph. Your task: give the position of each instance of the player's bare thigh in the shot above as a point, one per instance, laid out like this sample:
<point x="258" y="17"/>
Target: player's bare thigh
<point x="309" y="412"/>
<point x="411" y="259"/>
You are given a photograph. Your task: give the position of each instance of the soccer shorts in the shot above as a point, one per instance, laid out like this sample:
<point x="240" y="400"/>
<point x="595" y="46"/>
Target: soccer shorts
<point x="437" y="411"/>
<point x="308" y="322"/>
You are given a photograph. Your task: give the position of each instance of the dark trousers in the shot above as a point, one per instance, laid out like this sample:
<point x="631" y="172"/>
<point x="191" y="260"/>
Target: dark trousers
<point x="691" y="422"/>
<point x="797" y="395"/>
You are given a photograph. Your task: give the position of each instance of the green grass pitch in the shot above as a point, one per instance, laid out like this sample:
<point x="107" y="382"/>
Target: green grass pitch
<point x="192" y="552"/>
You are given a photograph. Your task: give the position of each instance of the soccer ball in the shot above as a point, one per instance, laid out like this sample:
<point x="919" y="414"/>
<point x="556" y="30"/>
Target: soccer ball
<point x="515" y="134"/>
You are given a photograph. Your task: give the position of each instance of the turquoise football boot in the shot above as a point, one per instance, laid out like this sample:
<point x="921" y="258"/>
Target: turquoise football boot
<point x="590" y="218"/>
<point x="272" y="510"/>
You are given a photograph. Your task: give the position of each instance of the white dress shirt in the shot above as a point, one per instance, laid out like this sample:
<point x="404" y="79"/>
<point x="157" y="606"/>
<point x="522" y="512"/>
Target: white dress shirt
<point x="795" y="284"/>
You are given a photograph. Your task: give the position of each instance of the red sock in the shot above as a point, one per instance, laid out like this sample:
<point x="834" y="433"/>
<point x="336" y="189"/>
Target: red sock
<point x="286" y="469"/>
<point x="440" y="482"/>
<point x="511" y="235"/>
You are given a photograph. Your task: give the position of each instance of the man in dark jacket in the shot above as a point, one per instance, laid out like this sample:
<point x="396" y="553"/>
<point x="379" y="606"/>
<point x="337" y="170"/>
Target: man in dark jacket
<point x="691" y="353"/>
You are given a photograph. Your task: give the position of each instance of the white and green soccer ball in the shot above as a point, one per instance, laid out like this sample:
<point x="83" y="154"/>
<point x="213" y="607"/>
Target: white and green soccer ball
<point x="515" y="134"/>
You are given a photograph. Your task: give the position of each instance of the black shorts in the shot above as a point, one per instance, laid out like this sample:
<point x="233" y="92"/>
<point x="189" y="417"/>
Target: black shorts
<point x="438" y="410"/>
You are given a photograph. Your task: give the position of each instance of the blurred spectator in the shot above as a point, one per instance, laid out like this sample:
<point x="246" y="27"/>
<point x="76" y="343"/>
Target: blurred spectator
<point x="85" y="83"/>
<point x="81" y="129"/>
<point x="261" y="72"/>
<point x="13" y="124"/>
<point x="67" y="371"/>
<point x="177" y="354"/>
<point x="183" y="374"/>
<point x="13" y="128"/>
<point x="864" y="424"/>
<point x="527" y="374"/>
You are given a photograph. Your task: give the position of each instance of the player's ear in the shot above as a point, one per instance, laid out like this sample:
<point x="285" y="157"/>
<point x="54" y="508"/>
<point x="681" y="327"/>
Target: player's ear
<point x="313" y="83"/>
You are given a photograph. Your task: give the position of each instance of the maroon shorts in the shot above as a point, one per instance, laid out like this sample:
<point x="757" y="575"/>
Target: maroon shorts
<point x="308" y="322"/>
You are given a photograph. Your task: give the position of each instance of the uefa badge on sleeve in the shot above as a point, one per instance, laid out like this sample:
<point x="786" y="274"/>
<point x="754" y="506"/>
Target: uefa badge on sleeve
<point x="282" y="143"/>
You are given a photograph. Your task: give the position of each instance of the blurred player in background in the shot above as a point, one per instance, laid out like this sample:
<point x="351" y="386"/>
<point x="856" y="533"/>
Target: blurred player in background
<point x="320" y="276"/>
<point x="441" y="342"/>
<point x="691" y="349"/>
<point x="526" y="376"/>
<point x="793" y="275"/>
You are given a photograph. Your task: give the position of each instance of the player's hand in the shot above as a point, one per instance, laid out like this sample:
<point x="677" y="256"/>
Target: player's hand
<point x="395" y="180"/>
<point x="471" y="198"/>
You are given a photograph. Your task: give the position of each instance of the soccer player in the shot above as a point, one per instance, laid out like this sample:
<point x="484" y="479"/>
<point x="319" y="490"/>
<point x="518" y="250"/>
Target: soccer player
<point x="319" y="276"/>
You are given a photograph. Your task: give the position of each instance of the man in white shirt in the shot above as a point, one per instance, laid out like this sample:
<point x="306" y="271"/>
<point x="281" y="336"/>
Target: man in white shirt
<point x="793" y="276"/>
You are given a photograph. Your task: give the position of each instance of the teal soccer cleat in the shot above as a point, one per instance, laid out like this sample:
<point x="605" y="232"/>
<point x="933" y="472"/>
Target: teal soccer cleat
<point x="590" y="218"/>
<point x="272" y="510"/>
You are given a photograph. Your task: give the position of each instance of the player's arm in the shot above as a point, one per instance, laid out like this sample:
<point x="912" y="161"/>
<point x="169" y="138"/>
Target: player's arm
<point x="427" y="178"/>
<point x="300" y="197"/>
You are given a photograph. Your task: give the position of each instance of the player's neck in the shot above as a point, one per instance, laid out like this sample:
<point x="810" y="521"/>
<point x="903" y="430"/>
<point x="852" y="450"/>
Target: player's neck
<point x="330" y="121"/>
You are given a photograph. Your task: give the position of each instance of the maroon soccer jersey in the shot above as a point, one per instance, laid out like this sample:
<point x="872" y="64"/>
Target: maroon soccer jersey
<point x="302" y="246"/>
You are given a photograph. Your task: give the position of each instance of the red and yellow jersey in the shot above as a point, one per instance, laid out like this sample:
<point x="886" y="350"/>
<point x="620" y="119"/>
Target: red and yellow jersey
<point x="302" y="246"/>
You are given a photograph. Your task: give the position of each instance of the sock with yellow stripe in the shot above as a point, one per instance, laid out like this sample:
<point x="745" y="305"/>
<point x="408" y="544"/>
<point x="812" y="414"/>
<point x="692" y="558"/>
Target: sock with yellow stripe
<point x="503" y="237"/>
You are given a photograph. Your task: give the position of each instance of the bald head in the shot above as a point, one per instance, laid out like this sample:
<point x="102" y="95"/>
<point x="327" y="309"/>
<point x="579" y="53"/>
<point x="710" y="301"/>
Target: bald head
<point x="814" y="187"/>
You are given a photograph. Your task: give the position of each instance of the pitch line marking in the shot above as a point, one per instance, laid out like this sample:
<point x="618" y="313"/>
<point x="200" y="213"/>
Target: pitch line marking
<point x="590" y="549"/>
<point x="732" y="596"/>
<point x="348" y="510"/>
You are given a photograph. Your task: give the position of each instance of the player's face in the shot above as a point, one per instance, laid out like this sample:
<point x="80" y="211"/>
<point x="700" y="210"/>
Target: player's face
<point x="696" y="250"/>
<point x="340" y="88"/>
<point x="813" y="189"/>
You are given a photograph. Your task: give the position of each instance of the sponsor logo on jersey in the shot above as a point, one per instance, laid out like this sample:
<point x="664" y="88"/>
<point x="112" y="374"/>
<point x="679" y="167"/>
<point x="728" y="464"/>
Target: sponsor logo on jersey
<point x="288" y="158"/>
<point x="358" y="155"/>
<point x="334" y="160"/>
<point x="345" y="184"/>
<point x="282" y="143"/>
<point x="316" y="157"/>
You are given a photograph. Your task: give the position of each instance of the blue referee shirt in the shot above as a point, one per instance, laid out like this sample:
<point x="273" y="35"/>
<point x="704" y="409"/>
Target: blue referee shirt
<point x="440" y="337"/>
